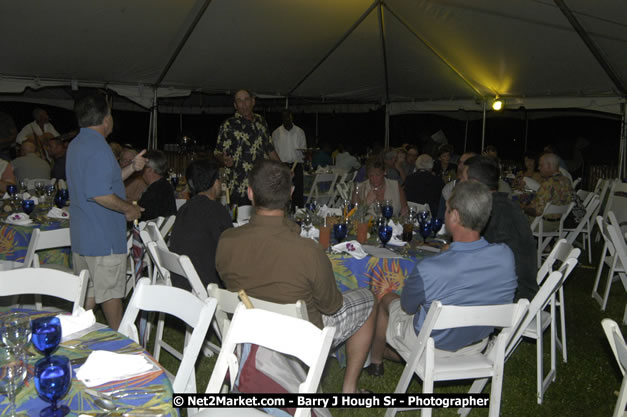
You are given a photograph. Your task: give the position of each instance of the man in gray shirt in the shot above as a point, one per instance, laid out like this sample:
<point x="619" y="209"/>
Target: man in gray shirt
<point x="29" y="165"/>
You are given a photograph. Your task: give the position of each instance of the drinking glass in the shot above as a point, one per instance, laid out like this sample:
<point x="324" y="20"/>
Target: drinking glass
<point x="28" y="206"/>
<point x="64" y="193"/>
<point x="387" y="210"/>
<point x="39" y="188"/>
<point x="307" y="222"/>
<point x="408" y="231"/>
<point x="11" y="189"/>
<point x="385" y="234"/>
<point x="311" y="206"/>
<point x="12" y="375"/>
<point x="53" y="377"/>
<point x="339" y="231"/>
<point x="59" y="201"/>
<point x="425" y="230"/>
<point x="46" y="334"/>
<point x="23" y="187"/>
<point x="15" y="330"/>
<point x="175" y="180"/>
<point x="436" y="226"/>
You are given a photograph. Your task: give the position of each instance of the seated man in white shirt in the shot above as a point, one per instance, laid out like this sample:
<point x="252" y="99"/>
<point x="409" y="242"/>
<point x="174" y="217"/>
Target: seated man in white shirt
<point x="37" y="127"/>
<point x="344" y="160"/>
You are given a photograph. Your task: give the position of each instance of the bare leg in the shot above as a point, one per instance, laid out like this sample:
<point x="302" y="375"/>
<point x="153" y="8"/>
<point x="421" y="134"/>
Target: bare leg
<point x="383" y="317"/>
<point x="113" y="312"/>
<point x="90" y="303"/>
<point x="357" y="348"/>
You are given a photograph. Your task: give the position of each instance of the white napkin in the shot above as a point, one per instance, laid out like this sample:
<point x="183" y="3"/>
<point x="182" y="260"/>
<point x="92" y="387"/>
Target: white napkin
<point x="57" y="213"/>
<point x="62" y="185"/>
<point x="395" y="241"/>
<point x="397" y="233"/>
<point x="326" y="211"/>
<point x="352" y="247"/>
<point x="26" y="196"/>
<point x="19" y="219"/>
<point x="5" y="196"/>
<point x="78" y="321"/>
<point x="103" y="366"/>
<point x="313" y="233"/>
<point x="531" y="184"/>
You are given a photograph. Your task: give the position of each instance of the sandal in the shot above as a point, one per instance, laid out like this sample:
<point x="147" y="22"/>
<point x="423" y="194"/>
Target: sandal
<point x="375" y="369"/>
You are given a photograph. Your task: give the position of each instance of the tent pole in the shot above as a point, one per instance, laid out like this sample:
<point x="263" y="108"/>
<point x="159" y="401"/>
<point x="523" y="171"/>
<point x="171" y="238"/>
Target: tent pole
<point x="154" y="120"/>
<point x="149" y="130"/>
<point x="526" y="128"/>
<point x="316" y="127"/>
<point x="483" y="128"/>
<point x="387" y="127"/>
<point x="466" y="135"/>
<point x="622" y="154"/>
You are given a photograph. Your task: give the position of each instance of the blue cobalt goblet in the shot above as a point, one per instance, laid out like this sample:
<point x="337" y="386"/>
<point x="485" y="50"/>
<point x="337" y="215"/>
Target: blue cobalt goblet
<point x="339" y="231"/>
<point x="425" y="230"/>
<point x="53" y="377"/>
<point x="59" y="201"/>
<point x="28" y="206"/>
<point x="64" y="193"/>
<point x="311" y="206"/>
<point x="385" y="234"/>
<point x="436" y="226"/>
<point x="11" y="189"/>
<point x="423" y="215"/>
<point x="46" y="334"/>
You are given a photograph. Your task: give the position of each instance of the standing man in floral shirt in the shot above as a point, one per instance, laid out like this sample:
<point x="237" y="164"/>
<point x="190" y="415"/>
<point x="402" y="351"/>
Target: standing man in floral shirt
<point x="242" y="140"/>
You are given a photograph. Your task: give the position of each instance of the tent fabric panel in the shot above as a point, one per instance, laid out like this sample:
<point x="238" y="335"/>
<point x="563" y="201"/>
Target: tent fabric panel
<point x="113" y="40"/>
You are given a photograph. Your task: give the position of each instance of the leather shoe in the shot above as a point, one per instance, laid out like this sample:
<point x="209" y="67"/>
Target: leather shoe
<point x="375" y="369"/>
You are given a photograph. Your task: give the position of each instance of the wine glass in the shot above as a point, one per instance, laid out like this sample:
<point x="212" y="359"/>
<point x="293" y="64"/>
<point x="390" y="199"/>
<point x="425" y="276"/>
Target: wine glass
<point x="11" y="189"/>
<point x="46" y="334"/>
<point x="59" y="201"/>
<point x="307" y="222"/>
<point x="64" y="193"/>
<point x="311" y="206"/>
<point x="16" y="331"/>
<point x="423" y="216"/>
<point x="53" y="377"/>
<point x="436" y="226"/>
<point x="425" y="230"/>
<point x="12" y="375"/>
<point x="387" y="210"/>
<point x="339" y="231"/>
<point x="39" y="188"/>
<point x="28" y="206"/>
<point x="385" y="234"/>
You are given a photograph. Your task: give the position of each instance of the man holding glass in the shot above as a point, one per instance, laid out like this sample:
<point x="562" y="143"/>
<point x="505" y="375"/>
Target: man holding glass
<point x="99" y="210"/>
<point x="268" y="258"/>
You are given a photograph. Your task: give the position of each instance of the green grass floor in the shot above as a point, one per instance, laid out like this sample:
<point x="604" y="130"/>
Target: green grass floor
<point x="584" y="386"/>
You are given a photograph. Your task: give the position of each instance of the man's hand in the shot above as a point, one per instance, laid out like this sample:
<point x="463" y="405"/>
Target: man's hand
<point x="133" y="212"/>
<point x="139" y="161"/>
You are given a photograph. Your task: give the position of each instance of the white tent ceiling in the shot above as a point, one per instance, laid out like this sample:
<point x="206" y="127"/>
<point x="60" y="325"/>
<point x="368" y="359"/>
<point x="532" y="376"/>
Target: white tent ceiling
<point x="425" y="55"/>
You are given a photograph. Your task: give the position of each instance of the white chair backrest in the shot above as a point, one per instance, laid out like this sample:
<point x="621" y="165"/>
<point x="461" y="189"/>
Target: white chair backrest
<point x="548" y="288"/>
<point x="228" y="302"/>
<point x="418" y="207"/>
<point x="168" y="262"/>
<point x="167" y="226"/>
<point x="195" y="312"/>
<point x="45" y="281"/>
<point x="617" y="342"/>
<point x="561" y="251"/>
<point x="617" y="239"/>
<point x="49" y="239"/>
<point x="244" y="213"/>
<point x="151" y="233"/>
<point x="563" y="211"/>
<point x="280" y="333"/>
<point x="180" y="202"/>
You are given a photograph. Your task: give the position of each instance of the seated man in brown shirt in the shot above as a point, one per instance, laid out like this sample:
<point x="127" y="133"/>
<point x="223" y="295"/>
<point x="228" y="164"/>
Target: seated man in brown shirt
<point x="268" y="258"/>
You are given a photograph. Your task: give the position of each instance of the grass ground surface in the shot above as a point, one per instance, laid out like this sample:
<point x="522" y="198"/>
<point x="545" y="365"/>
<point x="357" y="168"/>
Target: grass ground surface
<point x="584" y="386"/>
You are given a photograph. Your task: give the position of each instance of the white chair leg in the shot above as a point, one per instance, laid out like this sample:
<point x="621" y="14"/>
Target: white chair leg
<point x="159" y="336"/>
<point x="562" y="341"/>
<point x="597" y="279"/>
<point x="495" y="395"/>
<point x="625" y="315"/>
<point x="539" y="362"/>
<point x="476" y="388"/>
<point x="619" y="409"/>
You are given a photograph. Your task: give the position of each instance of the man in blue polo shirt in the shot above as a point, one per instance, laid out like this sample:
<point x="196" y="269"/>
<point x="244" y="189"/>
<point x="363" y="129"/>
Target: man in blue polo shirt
<point x="470" y="272"/>
<point x="99" y="211"/>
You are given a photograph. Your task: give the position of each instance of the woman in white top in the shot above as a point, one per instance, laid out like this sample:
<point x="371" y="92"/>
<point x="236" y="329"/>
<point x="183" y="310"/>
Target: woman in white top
<point x="379" y="188"/>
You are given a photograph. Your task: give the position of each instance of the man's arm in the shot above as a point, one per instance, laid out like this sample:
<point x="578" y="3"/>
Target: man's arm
<point x="7" y="178"/>
<point x="327" y="297"/>
<point x="413" y="295"/>
<point x="275" y="156"/>
<point x="137" y="164"/>
<point x="115" y="203"/>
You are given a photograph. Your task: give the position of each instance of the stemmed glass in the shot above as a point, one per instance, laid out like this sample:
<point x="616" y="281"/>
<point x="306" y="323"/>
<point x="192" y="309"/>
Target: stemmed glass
<point x="436" y="225"/>
<point x="12" y="375"/>
<point x="385" y="234"/>
<point x="63" y="192"/>
<point x="387" y="210"/>
<point x="28" y="206"/>
<point x="59" y="201"/>
<point x="23" y="187"/>
<point x="16" y="331"/>
<point x="307" y="222"/>
<point x="311" y="206"/>
<point x="46" y="334"/>
<point x="11" y="189"/>
<point x="39" y="188"/>
<point x="53" y="377"/>
<point x="425" y="230"/>
<point x="339" y="231"/>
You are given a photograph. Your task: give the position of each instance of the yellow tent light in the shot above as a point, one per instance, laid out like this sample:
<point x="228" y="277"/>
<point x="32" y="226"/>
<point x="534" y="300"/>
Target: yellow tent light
<point x="497" y="104"/>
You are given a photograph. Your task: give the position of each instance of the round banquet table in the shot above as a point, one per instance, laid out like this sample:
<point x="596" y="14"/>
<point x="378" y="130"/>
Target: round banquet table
<point x="79" y="402"/>
<point x="14" y="239"/>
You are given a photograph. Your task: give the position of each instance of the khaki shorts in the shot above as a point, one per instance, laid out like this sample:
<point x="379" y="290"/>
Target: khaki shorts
<point x="107" y="275"/>
<point x="402" y="336"/>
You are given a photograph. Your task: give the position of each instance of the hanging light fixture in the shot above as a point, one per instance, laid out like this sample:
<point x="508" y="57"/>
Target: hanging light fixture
<point x="497" y="104"/>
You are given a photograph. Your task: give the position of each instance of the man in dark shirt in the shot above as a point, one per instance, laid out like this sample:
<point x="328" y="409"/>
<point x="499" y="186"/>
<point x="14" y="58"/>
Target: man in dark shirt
<point x="422" y="186"/>
<point x="158" y="199"/>
<point x="200" y="222"/>
<point x="56" y="151"/>
<point x="507" y="224"/>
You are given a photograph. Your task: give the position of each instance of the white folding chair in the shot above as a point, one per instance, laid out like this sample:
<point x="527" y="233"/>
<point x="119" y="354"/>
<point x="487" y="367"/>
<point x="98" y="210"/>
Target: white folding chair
<point x="244" y="213"/>
<point x="585" y="225"/>
<point x="278" y="332"/>
<point x="50" y="239"/>
<point x="196" y="314"/>
<point x="28" y="257"/>
<point x="322" y="180"/>
<point x="544" y="296"/>
<point x="576" y="183"/>
<point x="610" y="258"/>
<point x="168" y="262"/>
<point x="179" y="203"/>
<point x="561" y="252"/>
<point x="602" y="189"/>
<point x="228" y="302"/>
<point x="537" y="227"/>
<point x="131" y="279"/>
<point x="424" y="361"/>
<point x="43" y="281"/>
<point x="619" y="348"/>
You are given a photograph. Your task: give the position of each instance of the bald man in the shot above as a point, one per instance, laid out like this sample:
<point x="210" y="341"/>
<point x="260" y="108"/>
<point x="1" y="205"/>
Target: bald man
<point x="29" y="165"/>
